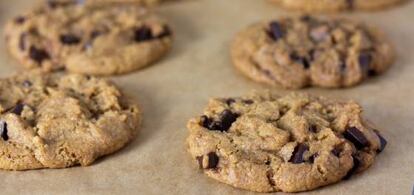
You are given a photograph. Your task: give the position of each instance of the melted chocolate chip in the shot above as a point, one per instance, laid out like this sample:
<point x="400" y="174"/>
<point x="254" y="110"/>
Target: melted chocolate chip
<point x="213" y="160"/>
<point x="17" y="109"/>
<point x="336" y="152"/>
<point x="297" y="156"/>
<point x="3" y="130"/>
<point x="383" y="141"/>
<point x="230" y="101"/>
<point x="313" y="128"/>
<point x="20" y="20"/>
<point x="353" y="169"/>
<point x="365" y="60"/>
<point x="69" y="39"/>
<point x="355" y="136"/>
<point x="301" y="60"/>
<point x="313" y="157"/>
<point x="226" y="119"/>
<point x="165" y="33"/>
<point x="143" y="34"/>
<point x="276" y="31"/>
<point x="248" y="102"/>
<point x="38" y="55"/>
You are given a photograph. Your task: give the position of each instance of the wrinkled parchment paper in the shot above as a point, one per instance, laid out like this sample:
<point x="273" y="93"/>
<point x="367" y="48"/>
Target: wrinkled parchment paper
<point x="199" y="67"/>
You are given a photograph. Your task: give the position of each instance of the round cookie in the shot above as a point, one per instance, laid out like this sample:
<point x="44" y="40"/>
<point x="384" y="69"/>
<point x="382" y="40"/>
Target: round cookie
<point x="292" y="143"/>
<point x="296" y="52"/>
<point x="98" y="40"/>
<point x="58" y="120"/>
<point x="335" y="5"/>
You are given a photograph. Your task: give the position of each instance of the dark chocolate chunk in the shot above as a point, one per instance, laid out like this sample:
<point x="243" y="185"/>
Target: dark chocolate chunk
<point x="297" y="156"/>
<point x="69" y="39"/>
<point x="355" y="136"/>
<point x="270" y="174"/>
<point x="230" y="101"/>
<point x="143" y="34"/>
<point x="353" y="169"/>
<point x="213" y="160"/>
<point x="38" y="55"/>
<point x="276" y="31"/>
<point x="248" y="102"/>
<point x="372" y="72"/>
<point x="336" y="151"/>
<point x="301" y="60"/>
<point x="383" y="141"/>
<point x="313" y="157"/>
<point x="365" y="60"/>
<point x="17" y="109"/>
<point x="313" y="128"/>
<point x="3" y="130"/>
<point x="227" y="118"/>
<point x="22" y="41"/>
<point x="19" y="19"/>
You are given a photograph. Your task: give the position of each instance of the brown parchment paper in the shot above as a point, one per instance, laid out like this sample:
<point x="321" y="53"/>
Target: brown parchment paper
<point x="199" y="67"/>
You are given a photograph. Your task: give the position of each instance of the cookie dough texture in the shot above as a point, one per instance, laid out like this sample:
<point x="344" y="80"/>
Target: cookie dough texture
<point x="296" y="52"/>
<point x="267" y="143"/>
<point x="58" y="121"/>
<point x="335" y="5"/>
<point x="103" y="39"/>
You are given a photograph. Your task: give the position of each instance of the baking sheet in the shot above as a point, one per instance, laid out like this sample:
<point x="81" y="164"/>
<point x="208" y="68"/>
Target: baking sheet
<point x="199" y="67"/>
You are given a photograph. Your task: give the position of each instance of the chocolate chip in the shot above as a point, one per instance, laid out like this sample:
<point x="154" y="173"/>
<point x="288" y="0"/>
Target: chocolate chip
<point x="230" y="101"/>
<point x="19" y="20"/>
<point x="143" y="34"/>
<point x="350" y="4"/>
<point x="27" y="83"/>
<point x="3" y="130"/>
<point x="301" y="60"/>
<point x="213" y="160"/>
<point x="313" y="128"/>
<point x="22" y="41"/>
<point x="270" y="174"/>
<point x="372" y="72"/>
<point x="353" y="169"/>
<point x="226" y="119"/>
<point x="336" y="151"/>
<point x="248" y="102"/>
<point x="313" y="157"/>
<point x="17" y="109"/>
<point x="276" y="31"/>
<point x="355" y="136"/>
<point x="305" y="18"/>
<point x="38" y="55"/>
<point x="365" y="60"/>
<point x="297" y="156"/>
<point x="383" y="141"/>
<point x="69" y="39"/>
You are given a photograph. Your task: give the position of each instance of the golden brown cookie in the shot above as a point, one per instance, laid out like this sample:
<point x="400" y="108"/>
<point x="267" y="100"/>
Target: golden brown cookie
<point x="296" y="52"/>
<point x="58" y="120"/>
<point x="335" y="5"/>
<point x="292" y="143"/>
<point x="96" y="40"/>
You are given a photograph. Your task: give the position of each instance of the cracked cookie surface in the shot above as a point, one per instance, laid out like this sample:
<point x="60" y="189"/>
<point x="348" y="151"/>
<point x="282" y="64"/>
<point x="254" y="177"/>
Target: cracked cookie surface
<point x="335" y="5"/>
<point x="59" y="120"/>
<point x="296" y="52"/>
<point x="102" y="39"/>
<point x="267" y="143"/>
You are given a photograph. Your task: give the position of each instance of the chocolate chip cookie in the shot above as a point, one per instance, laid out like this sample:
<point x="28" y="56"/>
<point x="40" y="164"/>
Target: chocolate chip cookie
<point x="58" y="120"/>
<point x="292" y="143"/>
<point x="98" y="40"/>
<point x="335" y="5"/>
<point x="295" y="52"/>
